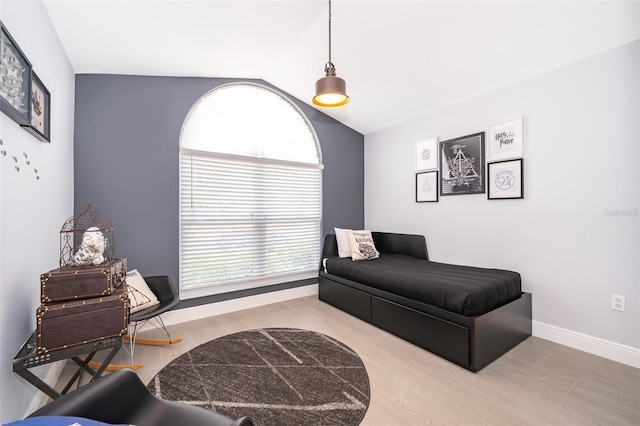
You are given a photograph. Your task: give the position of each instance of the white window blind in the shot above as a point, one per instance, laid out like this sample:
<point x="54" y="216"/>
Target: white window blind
<point x="247" y="221"/>
<point x="243" y="220"/>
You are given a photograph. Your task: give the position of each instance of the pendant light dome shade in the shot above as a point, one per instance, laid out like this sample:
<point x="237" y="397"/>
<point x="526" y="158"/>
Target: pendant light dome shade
<point x="331" y="91"/>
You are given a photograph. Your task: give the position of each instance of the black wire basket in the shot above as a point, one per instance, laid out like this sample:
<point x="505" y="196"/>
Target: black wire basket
<point x="86" y="239"/>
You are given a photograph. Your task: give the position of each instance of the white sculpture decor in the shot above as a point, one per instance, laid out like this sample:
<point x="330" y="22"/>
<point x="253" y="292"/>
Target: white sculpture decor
<point x="91" y="251"/>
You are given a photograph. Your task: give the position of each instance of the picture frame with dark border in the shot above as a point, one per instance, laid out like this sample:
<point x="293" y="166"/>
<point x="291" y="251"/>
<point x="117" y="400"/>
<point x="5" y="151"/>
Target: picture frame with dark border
<point x="505" y="179"/>
<point x="40" y="110"/>
<point x="427" y="187"/>
<point x="15" y="79"/>
<point x="462" y="165"/>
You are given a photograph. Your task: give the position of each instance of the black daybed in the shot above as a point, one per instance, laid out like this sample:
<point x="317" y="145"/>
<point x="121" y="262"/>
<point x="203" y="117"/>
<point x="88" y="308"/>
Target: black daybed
<point x="470" y="316"/>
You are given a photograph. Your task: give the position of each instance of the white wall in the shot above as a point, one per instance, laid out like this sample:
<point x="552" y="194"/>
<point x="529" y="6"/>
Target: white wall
<point x="574" y="237"/>
<point x="33" y="210"/>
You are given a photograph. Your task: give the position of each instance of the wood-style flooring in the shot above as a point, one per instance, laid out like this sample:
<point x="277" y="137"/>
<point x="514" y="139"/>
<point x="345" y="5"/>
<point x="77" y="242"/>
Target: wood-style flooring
<point x="537" y="383"/>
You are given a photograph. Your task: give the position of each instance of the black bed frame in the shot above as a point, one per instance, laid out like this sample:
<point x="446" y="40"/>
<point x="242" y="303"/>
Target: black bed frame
<point x="471" y="342"/>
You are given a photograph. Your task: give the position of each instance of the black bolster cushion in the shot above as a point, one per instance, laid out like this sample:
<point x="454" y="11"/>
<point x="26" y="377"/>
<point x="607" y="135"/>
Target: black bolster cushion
<point x="407" y="244"/>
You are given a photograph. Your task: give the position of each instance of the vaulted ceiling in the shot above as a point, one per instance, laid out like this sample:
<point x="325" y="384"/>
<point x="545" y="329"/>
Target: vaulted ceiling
<point x="400" y="59"/>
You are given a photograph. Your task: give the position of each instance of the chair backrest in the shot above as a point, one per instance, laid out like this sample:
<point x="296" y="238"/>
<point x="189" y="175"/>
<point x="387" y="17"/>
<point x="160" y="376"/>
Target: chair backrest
<point x="122" y="398"/>
<point x="163" y="288"/>
<point x="109" y="399"/>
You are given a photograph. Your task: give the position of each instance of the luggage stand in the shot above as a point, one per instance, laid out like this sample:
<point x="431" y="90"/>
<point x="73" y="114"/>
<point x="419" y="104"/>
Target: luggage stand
<point x="28" y="358"/>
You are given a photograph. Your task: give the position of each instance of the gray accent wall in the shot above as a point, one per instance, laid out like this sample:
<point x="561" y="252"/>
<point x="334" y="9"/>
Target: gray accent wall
<point x="126" y="149"/>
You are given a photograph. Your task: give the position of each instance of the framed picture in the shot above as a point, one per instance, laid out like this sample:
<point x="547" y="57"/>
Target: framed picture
<point x="15" y="79"/>
<point x="40" y="107"/>
<point x="505" y="180"/>
<point x="505" y="140"/>
<point x="427" y="154"/>
<point x="427" y="187"/>
<point x="462" y="165"/>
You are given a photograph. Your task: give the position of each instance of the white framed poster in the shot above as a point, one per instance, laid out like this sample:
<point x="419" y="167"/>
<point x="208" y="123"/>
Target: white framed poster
<point x="427" y="154"/>
<point x="505" y="140"/>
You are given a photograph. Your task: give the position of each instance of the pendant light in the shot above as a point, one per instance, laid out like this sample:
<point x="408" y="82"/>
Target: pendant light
<point x="331" y="91"/>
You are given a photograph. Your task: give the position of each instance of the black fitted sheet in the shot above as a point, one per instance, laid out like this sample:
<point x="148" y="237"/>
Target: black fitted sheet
<point x="464" y="290"/>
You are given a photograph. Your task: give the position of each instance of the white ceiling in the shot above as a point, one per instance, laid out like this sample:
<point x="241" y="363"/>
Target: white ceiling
<point x="400" y="59"/>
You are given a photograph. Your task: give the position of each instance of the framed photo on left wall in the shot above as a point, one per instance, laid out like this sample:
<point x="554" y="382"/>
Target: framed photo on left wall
<point x="16" y="79"/>
<point x="40" y="110"/>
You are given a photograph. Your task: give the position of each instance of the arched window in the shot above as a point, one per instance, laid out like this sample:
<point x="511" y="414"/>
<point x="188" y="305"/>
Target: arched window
<point x="250" y="192"/>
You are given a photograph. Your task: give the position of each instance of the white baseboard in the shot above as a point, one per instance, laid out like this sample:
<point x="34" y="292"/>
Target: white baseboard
<point x="614" y="351"/>
<point x="219" y="308"/>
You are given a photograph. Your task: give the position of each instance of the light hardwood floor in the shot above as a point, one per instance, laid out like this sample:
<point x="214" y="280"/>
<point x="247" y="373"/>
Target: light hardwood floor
<point x="537" y="383"/>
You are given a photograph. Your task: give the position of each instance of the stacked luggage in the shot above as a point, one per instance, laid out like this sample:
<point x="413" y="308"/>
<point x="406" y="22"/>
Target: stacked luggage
<point x="82" y="304"/>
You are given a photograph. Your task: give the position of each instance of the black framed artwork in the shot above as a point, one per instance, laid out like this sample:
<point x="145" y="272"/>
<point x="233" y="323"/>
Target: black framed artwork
<point x="427" y="187"/>
<point x="15" y="79"/>
<point x="462" y="165"/>
<point x="40" y="106"/>
<point x="505" y="180"/>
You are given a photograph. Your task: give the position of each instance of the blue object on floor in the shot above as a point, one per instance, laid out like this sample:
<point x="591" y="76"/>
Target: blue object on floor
<point x="56" y="421"/>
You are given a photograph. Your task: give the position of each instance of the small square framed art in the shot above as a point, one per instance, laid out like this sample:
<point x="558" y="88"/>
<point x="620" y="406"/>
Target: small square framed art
<point x="427" y="187"/>
<point x="505" y="180"/>
<point x="505" y="140"/>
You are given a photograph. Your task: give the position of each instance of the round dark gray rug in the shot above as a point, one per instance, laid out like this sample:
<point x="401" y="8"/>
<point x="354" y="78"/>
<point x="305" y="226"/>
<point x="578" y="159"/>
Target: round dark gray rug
<point x="276" y="376"/>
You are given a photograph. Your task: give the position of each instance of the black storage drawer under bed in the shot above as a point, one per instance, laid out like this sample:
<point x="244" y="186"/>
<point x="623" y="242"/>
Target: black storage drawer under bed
<point x="348" y="299"/>
<point x="443" y="338"/>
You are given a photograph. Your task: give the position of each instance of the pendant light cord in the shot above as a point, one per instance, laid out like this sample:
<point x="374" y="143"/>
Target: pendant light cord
<point x="329" y="31"/>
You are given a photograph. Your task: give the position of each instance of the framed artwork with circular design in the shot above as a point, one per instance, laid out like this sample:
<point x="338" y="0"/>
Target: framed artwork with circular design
<point x="427" y="154"/>
<point x="505" y="180"/>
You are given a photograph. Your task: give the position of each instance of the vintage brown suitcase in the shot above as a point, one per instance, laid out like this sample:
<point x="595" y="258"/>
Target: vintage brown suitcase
<point x="81" y="282"/>
<point x="65" y="324"/>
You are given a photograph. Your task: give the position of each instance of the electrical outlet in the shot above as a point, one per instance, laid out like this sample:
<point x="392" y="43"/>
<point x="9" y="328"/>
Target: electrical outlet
<point x="617" y="302"/>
